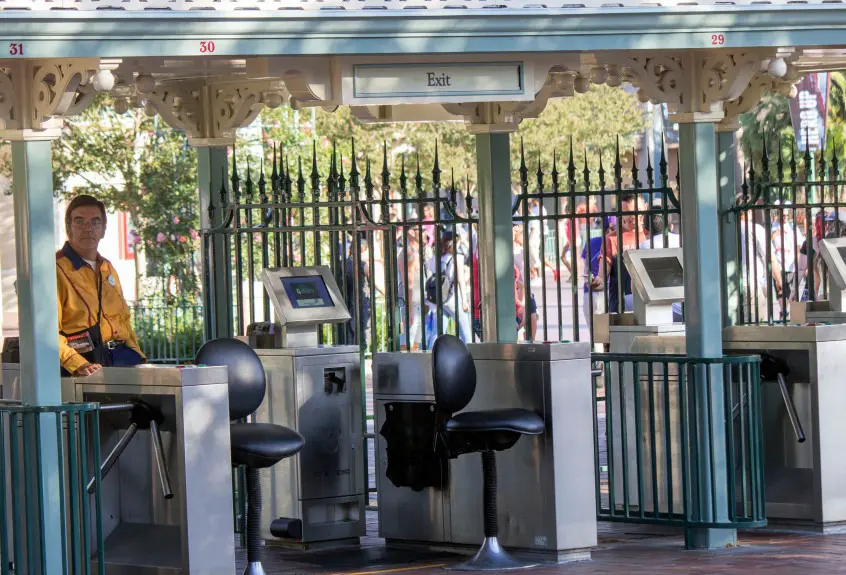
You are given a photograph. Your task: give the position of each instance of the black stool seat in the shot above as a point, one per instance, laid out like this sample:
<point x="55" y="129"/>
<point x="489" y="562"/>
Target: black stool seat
<point x="261" y="445"/>
<point x="515" y="420"/>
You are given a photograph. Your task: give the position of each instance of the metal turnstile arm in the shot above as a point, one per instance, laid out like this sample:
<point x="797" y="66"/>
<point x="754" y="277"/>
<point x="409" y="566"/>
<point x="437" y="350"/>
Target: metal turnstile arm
<point x="114" y="455"/>
<point x="158" y="450"/>
<point x="791" y="409"/>
<point x="143" y="416"/>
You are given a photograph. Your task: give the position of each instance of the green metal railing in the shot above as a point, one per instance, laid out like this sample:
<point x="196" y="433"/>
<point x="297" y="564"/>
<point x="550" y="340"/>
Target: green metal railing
<point x="678" y="440"/>
<point x="168" y="333"/>
<point x="27" y="476"/>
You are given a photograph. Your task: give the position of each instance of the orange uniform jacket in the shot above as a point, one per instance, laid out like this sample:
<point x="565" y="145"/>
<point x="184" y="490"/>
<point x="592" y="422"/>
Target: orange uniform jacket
<point x="77" y="293"/>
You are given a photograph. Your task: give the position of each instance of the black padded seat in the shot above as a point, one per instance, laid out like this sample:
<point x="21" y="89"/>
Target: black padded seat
<point x="255" y="446"/>
<point x="485" y="432"/>
<point x="494" y="420"/>
<point x="261" y="445"/>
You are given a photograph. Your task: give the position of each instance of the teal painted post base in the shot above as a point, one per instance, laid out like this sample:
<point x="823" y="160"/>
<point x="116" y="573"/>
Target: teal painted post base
<point x="727" y="156"/>
<point x="32" y="189"/>
<point x="496" y="247"/>
<point x="217" y="293"/>
<point x="702" y="289"/>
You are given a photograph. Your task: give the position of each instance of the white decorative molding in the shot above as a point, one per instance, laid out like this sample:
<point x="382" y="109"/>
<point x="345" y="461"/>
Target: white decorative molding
<point x="211" y="113"/>
<point x="694" y="85"/>
<point x="381" y="5"/>
<point x="180" y="106"/>
<point x="762" y="83"/>
<point x="35" y="95"/>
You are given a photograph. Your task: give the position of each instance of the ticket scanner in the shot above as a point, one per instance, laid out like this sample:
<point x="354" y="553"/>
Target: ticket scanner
<point x="318" y="498"/>
<point x="657" y="284"/>
<point x="833" y="310"/>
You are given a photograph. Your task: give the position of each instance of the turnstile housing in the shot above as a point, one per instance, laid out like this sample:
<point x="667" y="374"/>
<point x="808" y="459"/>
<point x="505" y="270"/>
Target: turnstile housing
<point x="806" y="482"/>
<point x="190" y="534"/>
<point x="546" y="503"/>
<point x="324" y="486"/>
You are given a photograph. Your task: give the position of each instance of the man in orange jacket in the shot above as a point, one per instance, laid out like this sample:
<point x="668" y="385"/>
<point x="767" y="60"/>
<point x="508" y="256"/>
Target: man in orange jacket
<point x="94" y="326"/>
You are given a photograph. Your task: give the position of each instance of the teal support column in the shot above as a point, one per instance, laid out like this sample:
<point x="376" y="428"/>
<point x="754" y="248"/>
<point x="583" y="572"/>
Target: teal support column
<point x="727" y="155"/>
<point x="32" y="189"/>
<point x="217" y="270"/>
<point x="700" y="225"/>
<point x="496" y="247"/>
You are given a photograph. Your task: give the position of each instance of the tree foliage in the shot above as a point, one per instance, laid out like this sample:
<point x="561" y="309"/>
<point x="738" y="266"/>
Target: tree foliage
<point x="592" y="121"/>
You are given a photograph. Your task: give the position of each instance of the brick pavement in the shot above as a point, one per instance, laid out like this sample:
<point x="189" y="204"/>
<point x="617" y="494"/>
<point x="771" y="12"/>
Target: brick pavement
<point x="623" y="549"/>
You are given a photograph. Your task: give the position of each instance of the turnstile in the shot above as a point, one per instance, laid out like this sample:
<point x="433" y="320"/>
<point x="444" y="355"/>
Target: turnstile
<point x="547" y="505"/>
<point x="148" y="528"/>
<point x="319" y="496"/>
<point x="806" y="481"/>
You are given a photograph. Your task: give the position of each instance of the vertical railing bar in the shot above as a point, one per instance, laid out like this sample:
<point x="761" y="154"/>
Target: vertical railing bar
<point x="639" y="434"/>
<point x="596" y="459"/>
<point x="77" y="545"/>
<point x="5" y="530"/>
<point x="62" y="503"/>
<point x="711" y="448"/>
<point x="609" y="439"/>
<point x="33" y="500"/>
<point x="728" y="386"/>
<point x="668" y="441"/>
<point x="653" y="442"/>
<point x="685" y="437"/>
<point x="624" y="442"/>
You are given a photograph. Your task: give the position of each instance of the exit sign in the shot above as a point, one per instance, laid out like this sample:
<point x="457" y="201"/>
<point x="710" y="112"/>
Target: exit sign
<point x="436" y="83"/>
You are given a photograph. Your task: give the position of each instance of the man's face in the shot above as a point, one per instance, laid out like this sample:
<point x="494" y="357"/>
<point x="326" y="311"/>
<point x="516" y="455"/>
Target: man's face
<point x="87" y="228"/>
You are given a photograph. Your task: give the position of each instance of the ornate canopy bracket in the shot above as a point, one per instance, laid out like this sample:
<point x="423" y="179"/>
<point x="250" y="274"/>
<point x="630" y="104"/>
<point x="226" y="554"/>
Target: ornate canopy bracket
<point x="211" y="113"/>
<point x="36" y="95"/>
<point x="694" y="85"/>
<point x="761" y="83"/>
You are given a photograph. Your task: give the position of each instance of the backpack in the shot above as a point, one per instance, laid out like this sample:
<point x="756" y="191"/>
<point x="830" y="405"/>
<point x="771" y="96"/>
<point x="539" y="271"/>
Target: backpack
<point x="446" y="285"/>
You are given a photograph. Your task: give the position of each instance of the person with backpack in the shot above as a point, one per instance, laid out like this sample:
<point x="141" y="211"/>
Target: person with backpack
<point x="455" y="304"/>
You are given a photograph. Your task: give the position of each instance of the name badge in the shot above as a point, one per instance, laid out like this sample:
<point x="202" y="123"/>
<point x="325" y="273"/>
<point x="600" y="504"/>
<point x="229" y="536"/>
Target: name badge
<point x="111" y="280"/>
<point x="81" y="342"/>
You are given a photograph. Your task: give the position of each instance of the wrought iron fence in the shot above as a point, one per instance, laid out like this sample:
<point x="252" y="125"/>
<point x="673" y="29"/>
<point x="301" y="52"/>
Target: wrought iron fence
<point x="580" y="223"/>
<point x="417" y="249"/>
<point x="168" y="333"/>
<point x="783" y="211"/>
<point x="26" y="477"/>
<point x="658" y="440"/>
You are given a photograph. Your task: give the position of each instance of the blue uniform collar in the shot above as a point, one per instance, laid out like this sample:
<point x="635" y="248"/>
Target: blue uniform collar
<point x="74" y="257"/>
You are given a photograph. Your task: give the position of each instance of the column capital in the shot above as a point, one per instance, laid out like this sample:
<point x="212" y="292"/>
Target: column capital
<point x="210" y="113"/>
<point x="36" y="95"/>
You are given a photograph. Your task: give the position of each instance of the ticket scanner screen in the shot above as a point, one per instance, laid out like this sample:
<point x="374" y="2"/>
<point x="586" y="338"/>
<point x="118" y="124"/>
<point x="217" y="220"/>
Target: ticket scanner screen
<point x="665" y="272"/>
<point x="307" y="292"/>
<point x="304" y="296"/>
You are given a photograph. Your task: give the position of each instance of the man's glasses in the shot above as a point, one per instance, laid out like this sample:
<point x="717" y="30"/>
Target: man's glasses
<point x="81" y="224"/>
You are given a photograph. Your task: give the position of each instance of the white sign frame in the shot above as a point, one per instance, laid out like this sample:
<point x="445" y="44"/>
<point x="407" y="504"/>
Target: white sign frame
<point x="356" y="93"/>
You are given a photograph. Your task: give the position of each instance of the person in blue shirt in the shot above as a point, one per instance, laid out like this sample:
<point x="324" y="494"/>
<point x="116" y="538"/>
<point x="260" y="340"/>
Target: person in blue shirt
<point x="593" y="285"/>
